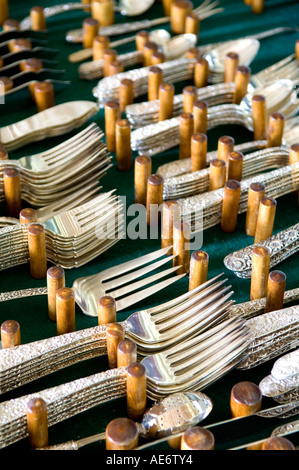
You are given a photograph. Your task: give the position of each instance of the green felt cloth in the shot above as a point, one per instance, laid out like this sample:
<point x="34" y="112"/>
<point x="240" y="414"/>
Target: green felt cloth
<point x="235" y="21"/>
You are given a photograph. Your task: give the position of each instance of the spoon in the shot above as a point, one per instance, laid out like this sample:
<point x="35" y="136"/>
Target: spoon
<point x="170" y="415"/>
<point x="158" y="36"/>
<point x="124" y="7"/>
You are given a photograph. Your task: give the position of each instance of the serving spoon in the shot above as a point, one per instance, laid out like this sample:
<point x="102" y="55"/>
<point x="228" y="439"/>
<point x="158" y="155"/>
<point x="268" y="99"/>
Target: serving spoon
<point x="170" y="415"/>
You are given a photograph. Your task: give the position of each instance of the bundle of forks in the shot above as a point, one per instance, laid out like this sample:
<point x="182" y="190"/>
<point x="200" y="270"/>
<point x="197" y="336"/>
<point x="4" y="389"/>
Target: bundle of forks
<point x="73" y="237"/>
<point x="62" y="170"/>
<point x="187" y="364"/>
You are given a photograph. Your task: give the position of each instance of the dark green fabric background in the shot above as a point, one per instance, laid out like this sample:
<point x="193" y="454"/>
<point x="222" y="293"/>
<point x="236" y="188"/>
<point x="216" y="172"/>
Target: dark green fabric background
<point x="236" y="21"/>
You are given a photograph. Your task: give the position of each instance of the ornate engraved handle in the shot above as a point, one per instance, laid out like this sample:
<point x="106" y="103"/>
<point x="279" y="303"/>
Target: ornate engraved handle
<point x="19" y="294"/>
<point x="30" y="361"/>
<point x="281" y="246"/>
<point x="63" y="402"/>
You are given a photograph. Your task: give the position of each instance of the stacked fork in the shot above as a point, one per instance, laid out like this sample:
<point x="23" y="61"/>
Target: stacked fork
<point x="73" y="237"/>
<point x="51" y="122"/>
<point x="153" y="330"/>
<point x="190" y="365"/>
<point x="62" y="170"/>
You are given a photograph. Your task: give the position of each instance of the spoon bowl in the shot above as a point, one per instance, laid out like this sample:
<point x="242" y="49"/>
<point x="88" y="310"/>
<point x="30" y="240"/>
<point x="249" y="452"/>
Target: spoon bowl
<point x="247" y="50"/>
<point x="174" y="414"/>
<point x="178" y="45"/>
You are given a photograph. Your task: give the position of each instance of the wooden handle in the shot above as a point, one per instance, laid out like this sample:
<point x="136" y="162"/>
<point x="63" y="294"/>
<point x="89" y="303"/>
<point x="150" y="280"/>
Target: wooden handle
<point x="178" y="13"/>
<point x="116" y="67"/>
<point x="242" y="79"/>
<point x="103" y="12"/>
<point x="122" y="434"/>
<point x="166" y="95"/>
<point x="259" y="115"/>
<point x="260" y="272"/>
<point x="110" y="55"/>
<point x="235" y="166"/>
<point x="155" y="79"/>
<point x="20" y="44"/>
<point x="189" y="98"/>
<point x="200" y="114"/>
<point x="123" y="145"/>
<point x="245" y="399"/>
<point x="278" y="443"/>
<point x="217" y="176"/>
<point x="166" y="7"/>
<point x="6" y="84"/>
<point x="12" y="191"/>
<point x="112" y="115"/>
<point x="37" y="423"/>
<point x="44" y="95"/>
<point x="154" y="199"/>
<point x="4" y="11"/>
<point x="199" y="148"/>
<point x="37" y="251"/>
<point x="230" y="206"/>
<point x="136" y="391"/>
<point x="143" y="170"/>
<point x="142" y="37"/>
<point x="170" y="215"/>
<point x="256" y="193"/>
<point x="10" y="334"/>
<point x="28" y="216"/>
<point x="225" y="147"/>
<point x="192" y="24"/>
<point x="201" y="73"/>
<point x="148" y="49"/>
<point x="265" y="219"/>
<point x="10" y="24"/>
<point x="197" y="438"/>
<point x="65" y="310"/>
<point x="90" y="31"/>
<point x="55" y="281"/>
<point x="275" y="131"/>
<point x="199" y="263"/>
<point x="275" y="291"/>
<point x="181" y="246"/>
<point x="38" y="20"/>
<point x="126" y="353"/>
<point x="186" y="132"/>
<point x="294" y="154"/>
<point x="297" y="49"/>
<point x="106" y="310"/>
<point x="257" y="6"/>
<point x="114" y="335"/>
<point x="99" y="45"/>
<point x="230" y="67"/>
<point x="31" y="64"/>
<point x="158" y="57"/>
<point x="126" y="93"/>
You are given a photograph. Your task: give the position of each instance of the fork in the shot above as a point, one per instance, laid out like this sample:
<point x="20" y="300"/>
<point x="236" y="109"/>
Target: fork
<point x="190" y="365"/>
<point x="30" y="361"/>
<point x="152" y="330"/>
<point x="72" y="237"/>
